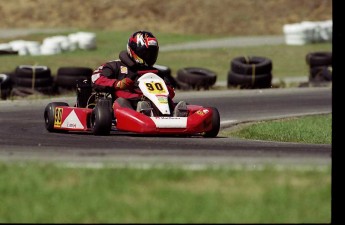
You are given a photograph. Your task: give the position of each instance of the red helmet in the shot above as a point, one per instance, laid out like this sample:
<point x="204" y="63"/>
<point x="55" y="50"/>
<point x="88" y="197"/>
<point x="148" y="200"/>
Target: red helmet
<point x="143" y="48"/>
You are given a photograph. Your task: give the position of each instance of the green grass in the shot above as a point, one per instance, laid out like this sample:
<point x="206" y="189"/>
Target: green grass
<point x="45" y="193"/>
<point x="316" y="129"/>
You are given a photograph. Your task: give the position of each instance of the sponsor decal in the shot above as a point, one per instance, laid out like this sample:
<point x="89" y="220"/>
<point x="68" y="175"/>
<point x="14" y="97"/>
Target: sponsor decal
<point x="202" y="112"/>
<point x="147" y="41"/>
<point x="170" y="122"/>
<point x="151" y="41"/>
<point x="124" y="69"/>
<point x="72" y="121"/>
<point x="140" y="39"/>
<point x="72" y="125"/>
<point x="162" y="99"/>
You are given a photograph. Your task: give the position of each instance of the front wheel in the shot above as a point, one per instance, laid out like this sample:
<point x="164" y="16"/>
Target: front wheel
<point x="215" y="124"/>
<point x="49" y="115"/>
<point x="101" y="117"/>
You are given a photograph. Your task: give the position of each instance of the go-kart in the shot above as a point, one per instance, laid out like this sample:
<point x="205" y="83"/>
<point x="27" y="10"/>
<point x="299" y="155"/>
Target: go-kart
<point x="99" y="117"/>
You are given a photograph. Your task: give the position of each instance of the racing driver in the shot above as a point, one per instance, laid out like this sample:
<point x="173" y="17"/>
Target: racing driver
<point x="118" y="76"/>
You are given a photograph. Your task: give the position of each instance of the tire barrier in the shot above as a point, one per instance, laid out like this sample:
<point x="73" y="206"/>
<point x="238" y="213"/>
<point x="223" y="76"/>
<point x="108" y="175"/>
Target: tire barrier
<point x="37" y="78"/>
<point x="197" y="78"/>
<point x="51" y="45"/>
<point x="308" y="32"/>
<point x="26" y="80"/>
<point x="320" y="66"/>
<point x="24" y="92"/>
<point x="6" y="49"/>
<point x="5" y="86"/>
<point x="251" y="65"/>
<point x="67" y="77"/>
<point x="250" y="72"/>
<point x="83" y="40"/>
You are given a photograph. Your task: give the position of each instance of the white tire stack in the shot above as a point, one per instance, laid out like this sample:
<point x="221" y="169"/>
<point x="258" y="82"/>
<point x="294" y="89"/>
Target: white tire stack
<point x="308" y="32"/>
<point x="84" y="40"/>
<point x="33" y="47"/>
<point x="5" y="47"/>
<point x="294" y="34"/>
<point x="53" y="45"/>
<point x="20" y="47"/>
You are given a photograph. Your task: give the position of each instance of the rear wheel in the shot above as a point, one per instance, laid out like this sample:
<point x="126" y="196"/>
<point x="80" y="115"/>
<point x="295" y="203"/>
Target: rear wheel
<point x="215" y="124"/>
<point x="49" y="115"/>
<point x="101" y="117"/>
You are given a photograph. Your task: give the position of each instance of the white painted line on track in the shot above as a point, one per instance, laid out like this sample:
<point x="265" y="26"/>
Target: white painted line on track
<point x="198" y="167"/>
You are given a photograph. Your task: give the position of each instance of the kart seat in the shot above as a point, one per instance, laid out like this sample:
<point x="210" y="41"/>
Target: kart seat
<point x="88" y="94"/>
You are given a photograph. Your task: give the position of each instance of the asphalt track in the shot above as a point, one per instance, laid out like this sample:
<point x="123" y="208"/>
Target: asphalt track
<point x="24" y="137"/>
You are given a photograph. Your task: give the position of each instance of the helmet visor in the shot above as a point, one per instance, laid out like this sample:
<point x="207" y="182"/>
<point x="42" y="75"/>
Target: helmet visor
<point x="149" y="55"/>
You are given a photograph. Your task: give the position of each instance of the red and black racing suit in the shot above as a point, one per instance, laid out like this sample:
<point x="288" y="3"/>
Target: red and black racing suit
<point x="105" y="76"/>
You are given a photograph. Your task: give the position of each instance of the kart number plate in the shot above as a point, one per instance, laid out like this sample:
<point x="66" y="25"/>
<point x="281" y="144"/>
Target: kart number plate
<point x="58" y="117"/>
<point x="155" y="88"/>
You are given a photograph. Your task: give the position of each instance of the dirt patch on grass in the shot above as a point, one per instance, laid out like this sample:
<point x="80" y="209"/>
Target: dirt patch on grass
<point x="223" y="17"/>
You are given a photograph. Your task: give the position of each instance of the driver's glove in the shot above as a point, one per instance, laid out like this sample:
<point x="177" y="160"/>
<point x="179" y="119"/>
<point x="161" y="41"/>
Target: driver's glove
<point x="125" y="83"/>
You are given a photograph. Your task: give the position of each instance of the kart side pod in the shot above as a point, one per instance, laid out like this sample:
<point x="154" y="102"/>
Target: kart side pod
<point x="202" y="120"/>
<point x="58" y="116"/>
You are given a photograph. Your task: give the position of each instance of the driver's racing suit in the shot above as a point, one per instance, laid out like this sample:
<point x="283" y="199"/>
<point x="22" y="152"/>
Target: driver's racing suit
<point x="105" y="76"/>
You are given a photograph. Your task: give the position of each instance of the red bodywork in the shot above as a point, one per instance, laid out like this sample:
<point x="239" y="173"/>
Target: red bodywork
<point x="199" y="120"/>
<point x="72" y="118"/>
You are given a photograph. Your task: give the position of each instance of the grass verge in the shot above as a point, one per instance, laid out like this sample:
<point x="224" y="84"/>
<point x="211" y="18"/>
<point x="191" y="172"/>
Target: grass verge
<point x="315" y="129"/>
<point x="42" y="193"/>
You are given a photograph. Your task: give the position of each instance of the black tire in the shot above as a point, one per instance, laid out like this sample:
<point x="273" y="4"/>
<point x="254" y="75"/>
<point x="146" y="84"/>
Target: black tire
<point x="101" y="117"/>
<point x="27" y="71"/>
<point x="74" y="71"/>
<point x="19" y="92"/>
<point x="320" y="73"/>
<point x="69" y="82"/>
<point x="5" y="86"/>
<point x="49" y="115"/>
<point x="197" y="77"/>
<point x="25" y="91"/>
<point x="38" y="82"/>
<point x="251" y="65"/>
<point x="24" y="75"/>
<point x="249" y="82"/>
<point x="8" y="52"/>
<point x="67" y="77"/>
<point x="315" y="59"/>
<point x="182" y="85"/>
<point x="215" y="124"/>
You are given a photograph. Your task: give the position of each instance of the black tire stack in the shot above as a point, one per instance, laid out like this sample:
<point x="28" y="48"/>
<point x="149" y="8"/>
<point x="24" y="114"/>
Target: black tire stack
<point x="320" y="66"/>
<point x="28" y="79"/>
<point x="5" y="86"/>
<point x="75" y="78"/>
<point x="68" y="77"/>
<point x="250" y="72"/>
<point x="196" y="78"/>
